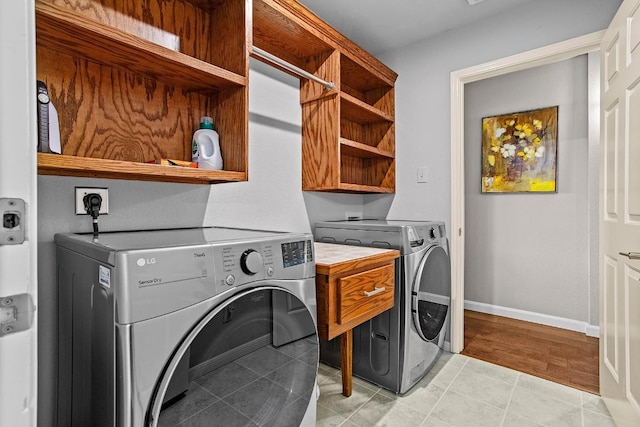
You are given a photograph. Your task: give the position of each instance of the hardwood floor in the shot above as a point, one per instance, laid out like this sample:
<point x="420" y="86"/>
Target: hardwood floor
<point x="559" y="355"/>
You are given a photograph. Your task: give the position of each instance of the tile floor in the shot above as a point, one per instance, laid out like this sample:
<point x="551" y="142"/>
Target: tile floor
<point x="460" y="391"/>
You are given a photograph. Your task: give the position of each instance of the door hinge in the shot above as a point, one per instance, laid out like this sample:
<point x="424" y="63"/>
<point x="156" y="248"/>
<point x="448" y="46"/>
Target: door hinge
<point x="13" y="221"/>
<point x="16" y="313"/>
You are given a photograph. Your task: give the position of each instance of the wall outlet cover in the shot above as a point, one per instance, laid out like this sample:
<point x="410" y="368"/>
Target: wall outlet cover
<point x="83" y="191"/>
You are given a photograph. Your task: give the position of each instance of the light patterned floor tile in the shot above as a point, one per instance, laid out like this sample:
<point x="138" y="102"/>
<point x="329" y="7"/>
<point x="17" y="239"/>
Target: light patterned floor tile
<point x="494" y="371"/>
<point x="422" y="397"/>
<point x="384" y="412"/>
<point x="482" y="387"/>
<point x="325" y="417"/>
<point x="331" y="396"/>
<point x="549" y="388"/>
<point x="593" y="419"/>
<point x="512" y="420"/>
<point x="434" y="422"/>
<point x="462" y="411"/>
<point x="594" y="403"/>
<point x="460" y="392"/>
<point x="544" y="409"/>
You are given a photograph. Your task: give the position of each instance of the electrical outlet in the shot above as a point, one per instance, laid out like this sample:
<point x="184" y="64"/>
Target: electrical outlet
<point x="423" y="174"/>
<point x="83" y="191"/>
<point x="353" y="215"/>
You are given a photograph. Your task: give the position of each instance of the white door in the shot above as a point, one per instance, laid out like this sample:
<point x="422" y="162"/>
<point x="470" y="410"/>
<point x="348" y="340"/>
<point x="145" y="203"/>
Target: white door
<point x="18" y="261"/>
<point x="620" y="216"/>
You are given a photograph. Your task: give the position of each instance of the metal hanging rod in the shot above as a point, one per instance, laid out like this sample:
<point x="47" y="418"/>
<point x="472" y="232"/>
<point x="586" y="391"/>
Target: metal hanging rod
<point x="284" y="64"/>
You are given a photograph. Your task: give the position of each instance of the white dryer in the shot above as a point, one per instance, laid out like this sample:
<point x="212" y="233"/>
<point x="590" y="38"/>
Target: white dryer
<point x="398" y="347"/>
<point x="189" y="327"/>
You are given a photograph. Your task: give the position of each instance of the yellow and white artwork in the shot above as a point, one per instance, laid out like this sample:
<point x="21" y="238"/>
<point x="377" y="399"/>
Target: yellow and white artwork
<point x="519" y="152"/>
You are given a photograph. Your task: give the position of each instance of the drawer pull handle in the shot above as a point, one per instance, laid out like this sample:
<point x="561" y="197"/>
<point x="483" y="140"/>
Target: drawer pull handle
<point x="376" y="291"/>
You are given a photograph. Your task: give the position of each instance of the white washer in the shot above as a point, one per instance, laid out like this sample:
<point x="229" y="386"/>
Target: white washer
<point x="190" y="327"/>
<point x="398" y="347"/>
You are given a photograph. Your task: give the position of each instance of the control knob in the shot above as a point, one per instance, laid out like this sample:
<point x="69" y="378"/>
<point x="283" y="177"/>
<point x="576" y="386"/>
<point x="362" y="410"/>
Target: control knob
<point x="251" y="261"/>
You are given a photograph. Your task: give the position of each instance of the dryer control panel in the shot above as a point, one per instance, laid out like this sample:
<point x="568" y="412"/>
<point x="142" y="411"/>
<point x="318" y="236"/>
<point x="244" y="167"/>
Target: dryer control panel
<point x="239" y="264"/>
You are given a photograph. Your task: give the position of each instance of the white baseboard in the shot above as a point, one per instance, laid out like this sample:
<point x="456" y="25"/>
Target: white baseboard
<point x="593" y="331"/>
<point x="529" y="316"/>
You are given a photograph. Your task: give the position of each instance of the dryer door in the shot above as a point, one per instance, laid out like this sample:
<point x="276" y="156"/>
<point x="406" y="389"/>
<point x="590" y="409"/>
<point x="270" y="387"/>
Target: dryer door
<point x="431" y="295"/>
<point x="227" y="371"/>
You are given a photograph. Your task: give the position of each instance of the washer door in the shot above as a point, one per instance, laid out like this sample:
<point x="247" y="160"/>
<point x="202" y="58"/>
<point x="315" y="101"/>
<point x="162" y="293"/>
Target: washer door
<point x="431" y="295"/>
<point x="227" y="371"/>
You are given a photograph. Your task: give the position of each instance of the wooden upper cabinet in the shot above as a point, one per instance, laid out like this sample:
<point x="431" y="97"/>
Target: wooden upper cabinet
<point x="130" y="80"/>
<point x="348" y="133"/>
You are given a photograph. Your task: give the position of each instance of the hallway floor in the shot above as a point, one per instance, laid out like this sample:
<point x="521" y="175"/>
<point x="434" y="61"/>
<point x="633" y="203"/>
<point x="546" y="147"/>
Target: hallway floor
<point x="559" y="355"/>
<point x="460" y="392"/>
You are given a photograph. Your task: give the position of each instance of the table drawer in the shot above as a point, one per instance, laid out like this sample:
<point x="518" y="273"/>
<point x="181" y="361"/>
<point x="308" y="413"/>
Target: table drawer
<point x="365" y="295"/>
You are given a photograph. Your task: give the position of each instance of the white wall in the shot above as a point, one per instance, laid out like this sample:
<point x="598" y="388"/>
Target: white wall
<point x="529" y="251"/>
<point x="422" y="88"/>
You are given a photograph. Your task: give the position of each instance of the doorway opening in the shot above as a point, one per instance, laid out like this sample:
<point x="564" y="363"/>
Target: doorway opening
<point x="543" y="56"/>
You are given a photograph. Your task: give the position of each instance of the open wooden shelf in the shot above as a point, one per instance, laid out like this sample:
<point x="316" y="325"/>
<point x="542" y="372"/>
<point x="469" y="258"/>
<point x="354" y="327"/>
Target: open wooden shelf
<point x="360" y="112"/>
<point x="55" y="164"/>
<point x="61" y="29"/>
<point x="348" y="132"/>
<point x="130" y="85"/>
<point x="359" y="188"/>
<point x="364" y="151"/>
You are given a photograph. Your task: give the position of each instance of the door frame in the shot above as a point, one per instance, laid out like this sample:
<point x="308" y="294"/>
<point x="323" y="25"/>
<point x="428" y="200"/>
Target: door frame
<point x="18" y="180"/>
<point x="542" y="56"/>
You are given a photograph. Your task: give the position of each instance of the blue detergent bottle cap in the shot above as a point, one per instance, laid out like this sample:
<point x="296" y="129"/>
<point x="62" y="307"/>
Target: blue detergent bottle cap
<point x="206" y="122"/>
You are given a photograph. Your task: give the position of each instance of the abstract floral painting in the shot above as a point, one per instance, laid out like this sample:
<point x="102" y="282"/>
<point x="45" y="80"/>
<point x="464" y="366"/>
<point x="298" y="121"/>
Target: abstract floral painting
<point x="519" y="152"/>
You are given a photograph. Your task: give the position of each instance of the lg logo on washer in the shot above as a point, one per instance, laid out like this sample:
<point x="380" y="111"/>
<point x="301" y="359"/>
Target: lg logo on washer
<point x="144" y="261"/>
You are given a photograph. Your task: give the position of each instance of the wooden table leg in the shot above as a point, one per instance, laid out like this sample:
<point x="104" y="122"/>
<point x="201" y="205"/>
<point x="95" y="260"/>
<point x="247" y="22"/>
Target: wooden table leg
<point x="346" y="350"/>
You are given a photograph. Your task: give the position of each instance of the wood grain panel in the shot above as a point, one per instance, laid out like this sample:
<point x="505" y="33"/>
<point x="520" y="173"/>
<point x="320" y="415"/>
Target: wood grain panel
<point x="54" y="164"/>
<point x="383" y="134"/>
<point x="360" y="112"/>
<point x="292" y="26"/>
<point x="326" y="66"/>
<point x="357" y="149"/>
<point x="346" y="187"/>
<point x="62" y="31"/>
<point x="111" y="114"/>
<point x="230" y="112"/>
<point x="230" y="37"/>
<point x="360" y="79"/>
<point x="281" y="33"/>
<point x="376" y="172"/>
<point x="353" y="302"/>
<point x="381" y="99"/>
<point x="346" y="361"/>
<point x="175" y="24"/>
<point x="320" y="145"/>
<point x="323" y="298"/>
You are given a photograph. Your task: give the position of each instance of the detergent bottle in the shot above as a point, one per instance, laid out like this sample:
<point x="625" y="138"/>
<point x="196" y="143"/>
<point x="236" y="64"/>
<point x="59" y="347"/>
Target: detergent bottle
<point x="205" y="148"/>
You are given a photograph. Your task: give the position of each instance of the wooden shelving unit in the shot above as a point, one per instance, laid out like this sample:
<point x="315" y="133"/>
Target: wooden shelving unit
<point x="130" y="80"/>
<point x="130" y="86"/>
<point x="348" y="133"/>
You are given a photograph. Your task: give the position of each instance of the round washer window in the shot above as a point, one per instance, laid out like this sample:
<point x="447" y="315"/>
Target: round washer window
<point x="432" y="293"/>
<point x="228" y="372"/>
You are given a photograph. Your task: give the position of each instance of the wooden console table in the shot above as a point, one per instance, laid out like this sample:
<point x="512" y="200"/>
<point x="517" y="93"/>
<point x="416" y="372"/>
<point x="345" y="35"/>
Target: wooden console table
<point x="353" y="284"/>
